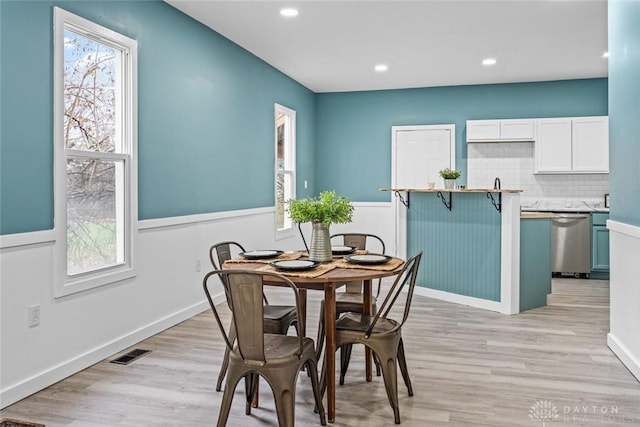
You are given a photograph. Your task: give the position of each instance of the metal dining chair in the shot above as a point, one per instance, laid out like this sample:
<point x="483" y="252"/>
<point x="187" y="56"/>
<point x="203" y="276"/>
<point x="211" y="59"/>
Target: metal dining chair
<point x="275" y="357"/>
<point x="277" y="318"/>
<point x="351" y="300"/>
<point x="383" y="334"/>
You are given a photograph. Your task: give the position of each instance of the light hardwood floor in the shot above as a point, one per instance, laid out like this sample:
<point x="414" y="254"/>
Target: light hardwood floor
<point x="469" y="367"/>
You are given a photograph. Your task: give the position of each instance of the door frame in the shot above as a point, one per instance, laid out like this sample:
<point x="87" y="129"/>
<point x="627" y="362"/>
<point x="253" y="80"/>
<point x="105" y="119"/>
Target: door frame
<point x="400" y="211"/>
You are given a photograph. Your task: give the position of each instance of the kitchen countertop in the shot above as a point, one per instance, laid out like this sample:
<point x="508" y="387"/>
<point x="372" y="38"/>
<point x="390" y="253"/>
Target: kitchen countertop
<point x="560" y="205"/>
<point x="453" y="190"/>
<point x="536" y="215"/>
<point x="566" y="210"/>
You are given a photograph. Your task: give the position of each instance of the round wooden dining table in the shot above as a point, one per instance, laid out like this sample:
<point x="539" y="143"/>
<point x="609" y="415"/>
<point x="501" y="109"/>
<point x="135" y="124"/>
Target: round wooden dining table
<point x="329" y="281"/>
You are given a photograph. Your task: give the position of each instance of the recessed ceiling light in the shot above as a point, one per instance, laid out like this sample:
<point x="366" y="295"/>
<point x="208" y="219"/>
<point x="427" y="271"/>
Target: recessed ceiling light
<point x="289" y="12"/>
<point x="381" y="68"/>
<point x="605" y="55"/>
<point x="489" y="61"/>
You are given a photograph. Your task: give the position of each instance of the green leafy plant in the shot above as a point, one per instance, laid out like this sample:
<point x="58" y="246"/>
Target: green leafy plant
<point x="328" y="208"/>
<point x="449" y="173"/>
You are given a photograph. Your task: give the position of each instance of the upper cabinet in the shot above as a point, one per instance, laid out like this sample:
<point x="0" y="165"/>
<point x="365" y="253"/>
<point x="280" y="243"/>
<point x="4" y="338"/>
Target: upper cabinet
<point x="590" y="136"/>
<point x="572" y="145"/>
<point x="500" y="130"/>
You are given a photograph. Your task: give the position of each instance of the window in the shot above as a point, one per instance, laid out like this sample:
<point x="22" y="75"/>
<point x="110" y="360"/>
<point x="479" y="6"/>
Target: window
<point x="95" y="145"/>
<point x="285" y="124"/>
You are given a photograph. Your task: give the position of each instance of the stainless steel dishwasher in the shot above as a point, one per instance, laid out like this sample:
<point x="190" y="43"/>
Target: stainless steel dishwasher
<point x="571" y="243"/>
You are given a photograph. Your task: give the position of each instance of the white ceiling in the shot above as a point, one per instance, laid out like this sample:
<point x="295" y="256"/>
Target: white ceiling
<point x="332" y="46"/>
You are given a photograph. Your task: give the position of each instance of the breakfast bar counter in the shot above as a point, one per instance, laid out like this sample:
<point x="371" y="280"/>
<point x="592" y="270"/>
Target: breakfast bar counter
<point x="471" y="242"/>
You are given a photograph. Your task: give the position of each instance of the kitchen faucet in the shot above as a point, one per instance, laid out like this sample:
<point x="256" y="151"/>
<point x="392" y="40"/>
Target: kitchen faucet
<point x="496" y="184"/>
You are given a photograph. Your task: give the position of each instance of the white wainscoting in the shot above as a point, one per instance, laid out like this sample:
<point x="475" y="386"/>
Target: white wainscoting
<point x="84" y="328"/>
<point x="624" y="288"/>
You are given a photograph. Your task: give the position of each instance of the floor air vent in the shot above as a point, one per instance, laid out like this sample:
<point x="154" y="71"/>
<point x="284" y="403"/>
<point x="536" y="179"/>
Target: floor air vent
<point x="7" y="422"/>
<point x="130" y="357"/>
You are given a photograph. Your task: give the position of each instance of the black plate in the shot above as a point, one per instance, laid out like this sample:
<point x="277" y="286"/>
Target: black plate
<point x="368" y="259"/>
<point x="342" y="250"/>
<point x="263" y="254"/>
<point x="294" y="264"/>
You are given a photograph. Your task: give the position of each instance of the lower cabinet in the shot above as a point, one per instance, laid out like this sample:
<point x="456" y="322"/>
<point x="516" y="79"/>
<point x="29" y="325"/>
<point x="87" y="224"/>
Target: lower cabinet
<point x="599" y="246"/>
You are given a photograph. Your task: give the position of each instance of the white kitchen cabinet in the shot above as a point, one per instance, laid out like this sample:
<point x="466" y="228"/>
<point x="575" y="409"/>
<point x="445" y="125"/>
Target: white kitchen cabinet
<point x="483" y="130"/>
<point x="590" y="136"/>
<point x="500" y="130"/>
<point x="553" y="145"/>
<point x="572" y="145"/>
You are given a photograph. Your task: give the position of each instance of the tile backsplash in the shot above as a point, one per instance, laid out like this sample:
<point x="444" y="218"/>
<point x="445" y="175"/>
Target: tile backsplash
<point x="513" y="163"/>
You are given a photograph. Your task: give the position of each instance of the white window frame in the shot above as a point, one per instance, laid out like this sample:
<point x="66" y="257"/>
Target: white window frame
<point x="63" y="283"/>
<point x="280" y="109"/>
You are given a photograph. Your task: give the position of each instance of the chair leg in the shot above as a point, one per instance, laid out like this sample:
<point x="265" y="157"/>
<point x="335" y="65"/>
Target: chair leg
<point x="251" y="390"/>
<point x="376" y="360"/>
<point x="225" y="359"/>
<point x="255" y="401"/>
<point x="227" y="399"/>
<point x="323" y="378"/>
<point x="402" y="362"/>
<point x="345" y="357"/>
<point x="312" y="368"/>
<point x="390" y="376"/>
<point x="284" y="391"/>
<point x="320" y="339"/>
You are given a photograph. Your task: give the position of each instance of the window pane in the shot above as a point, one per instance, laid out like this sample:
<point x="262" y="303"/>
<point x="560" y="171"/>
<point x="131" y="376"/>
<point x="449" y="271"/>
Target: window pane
<point x="285" y="165"/>
<point x="280" y="142"/>
<point x="280" y="201"/>
<point x="95" y="229"/>
<point x="283" y="193"/>
<point x="288" y="194"/>
<point x="89" y="94"/>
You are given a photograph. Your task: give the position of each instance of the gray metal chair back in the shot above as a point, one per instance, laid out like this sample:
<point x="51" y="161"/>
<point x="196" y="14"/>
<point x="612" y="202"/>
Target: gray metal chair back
<point x="276" y="318"/>
<point x="221" y="252"/>
<point x="382" y="334"/>
<point x="277" y="358"/>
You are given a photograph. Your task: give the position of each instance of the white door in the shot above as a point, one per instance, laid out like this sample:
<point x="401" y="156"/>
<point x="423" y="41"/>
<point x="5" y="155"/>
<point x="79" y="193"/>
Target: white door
<point x="418" y="154"/>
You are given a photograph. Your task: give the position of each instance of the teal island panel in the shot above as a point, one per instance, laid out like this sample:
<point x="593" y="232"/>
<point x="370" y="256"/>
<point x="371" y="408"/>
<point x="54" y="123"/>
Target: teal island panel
<point x="461" y="247"/>
<point x="535" y="262"/>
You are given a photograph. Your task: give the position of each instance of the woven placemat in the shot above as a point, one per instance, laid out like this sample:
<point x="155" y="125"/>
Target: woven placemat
<point x="318" y="271"/>
<point x="284" y="256"/>
<point x="388" y="266"/>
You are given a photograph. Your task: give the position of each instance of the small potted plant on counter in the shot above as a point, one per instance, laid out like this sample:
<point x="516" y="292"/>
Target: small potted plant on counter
<point x="450" y="176"/>
<point x="322" y="211"/>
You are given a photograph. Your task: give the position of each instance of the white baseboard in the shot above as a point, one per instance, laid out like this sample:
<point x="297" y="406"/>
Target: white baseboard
<point x="462" y="299"/>
<point x="43" y="379"/>
<point x="625" y="356"/>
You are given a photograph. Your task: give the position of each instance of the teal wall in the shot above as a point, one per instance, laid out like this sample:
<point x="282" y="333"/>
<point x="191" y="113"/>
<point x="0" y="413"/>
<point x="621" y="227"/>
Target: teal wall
<point x="461" y="246"/>
<point x="206" y="117"/>
<point x="624" y="110"/>
<point x="356" y="126"/>
<point x="205" y="114"/>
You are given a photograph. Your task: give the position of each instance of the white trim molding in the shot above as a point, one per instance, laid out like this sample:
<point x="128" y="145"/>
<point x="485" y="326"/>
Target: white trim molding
<point x="624" y="290"/>
<point x="41" y="380"/>
<point x="173" y="221"/>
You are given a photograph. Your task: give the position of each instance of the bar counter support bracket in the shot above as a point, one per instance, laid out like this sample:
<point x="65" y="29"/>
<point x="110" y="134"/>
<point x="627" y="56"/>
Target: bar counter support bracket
<point x="402" y="200"/>
<point x="444" y="201"/>
<point x="497" y="205"/>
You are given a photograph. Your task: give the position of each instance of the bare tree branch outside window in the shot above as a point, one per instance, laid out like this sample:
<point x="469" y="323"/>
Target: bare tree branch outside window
<point x="90" y="125"/>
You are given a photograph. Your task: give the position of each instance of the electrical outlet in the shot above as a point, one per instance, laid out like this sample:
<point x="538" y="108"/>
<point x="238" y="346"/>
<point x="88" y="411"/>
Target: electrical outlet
<point x="305" y="184"/>
<point x="34" y="315"/>
<point x="198" y="264"/>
